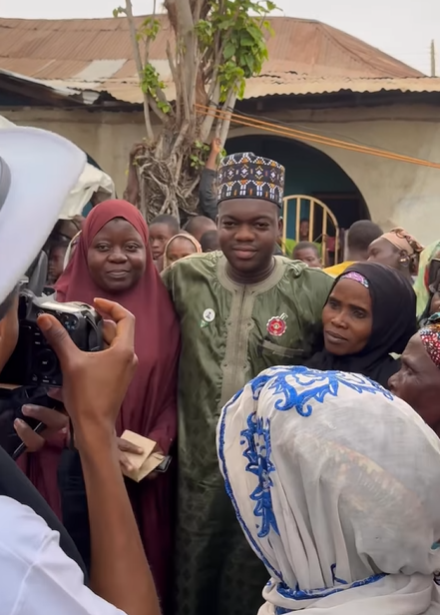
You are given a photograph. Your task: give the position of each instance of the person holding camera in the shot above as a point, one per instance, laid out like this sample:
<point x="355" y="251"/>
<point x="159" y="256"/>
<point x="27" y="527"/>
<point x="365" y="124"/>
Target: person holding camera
<point x="37" y="577"/>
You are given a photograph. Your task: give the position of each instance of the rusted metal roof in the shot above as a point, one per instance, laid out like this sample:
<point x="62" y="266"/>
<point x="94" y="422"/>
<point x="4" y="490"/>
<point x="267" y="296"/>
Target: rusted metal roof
<point x="64" y="49"/>
<point x="305" y="58"/>
<point x="53" y="93"/>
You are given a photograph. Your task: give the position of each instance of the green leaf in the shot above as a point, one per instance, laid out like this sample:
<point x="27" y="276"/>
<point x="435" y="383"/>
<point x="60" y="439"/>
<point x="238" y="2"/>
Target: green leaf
<point x="229" y="50"/>
<point x="119" y="11"/>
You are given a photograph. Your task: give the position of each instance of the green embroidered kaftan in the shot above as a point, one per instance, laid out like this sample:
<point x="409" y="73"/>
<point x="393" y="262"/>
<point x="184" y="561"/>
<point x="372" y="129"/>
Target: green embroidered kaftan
<point x="230" y="333"/>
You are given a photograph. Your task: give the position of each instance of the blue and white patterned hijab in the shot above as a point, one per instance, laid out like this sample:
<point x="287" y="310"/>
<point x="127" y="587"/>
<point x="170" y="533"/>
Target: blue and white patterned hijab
<point x="336" y="484"/>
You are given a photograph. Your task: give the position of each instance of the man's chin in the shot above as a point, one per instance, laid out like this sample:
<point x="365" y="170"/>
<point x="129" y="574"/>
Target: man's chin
<point x="247" y="265"/>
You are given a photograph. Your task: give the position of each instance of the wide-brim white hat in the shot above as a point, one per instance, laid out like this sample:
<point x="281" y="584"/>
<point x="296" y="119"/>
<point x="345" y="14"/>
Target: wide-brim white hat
<point x="41" y="169"/>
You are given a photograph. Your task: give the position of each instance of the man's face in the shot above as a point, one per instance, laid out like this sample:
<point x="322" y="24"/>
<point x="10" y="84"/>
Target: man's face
<point x="8" y="332"/>
<point x="248" y="231"/>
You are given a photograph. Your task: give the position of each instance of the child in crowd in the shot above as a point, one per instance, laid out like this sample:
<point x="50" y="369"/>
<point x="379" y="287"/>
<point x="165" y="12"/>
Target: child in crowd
<point x="181" y="245"/>
<point x="308" y="253"/>
<point x="162" y="229"/>
<point x="210" y="242"/>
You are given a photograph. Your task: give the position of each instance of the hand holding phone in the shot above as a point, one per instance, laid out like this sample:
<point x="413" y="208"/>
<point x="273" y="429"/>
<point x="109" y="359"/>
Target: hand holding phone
<point x="33" y="437"/>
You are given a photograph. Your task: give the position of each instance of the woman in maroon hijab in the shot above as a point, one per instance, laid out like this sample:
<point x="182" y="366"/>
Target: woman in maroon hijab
<point x="112" y="260"/>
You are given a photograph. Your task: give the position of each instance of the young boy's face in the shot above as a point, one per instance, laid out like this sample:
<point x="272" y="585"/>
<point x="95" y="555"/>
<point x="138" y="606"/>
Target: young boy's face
<point x="160" y="234"/>
<point x="310" y="257"/>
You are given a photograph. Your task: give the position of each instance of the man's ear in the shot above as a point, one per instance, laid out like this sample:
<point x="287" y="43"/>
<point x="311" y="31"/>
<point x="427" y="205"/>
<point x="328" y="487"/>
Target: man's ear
<point x="280" y="227"/>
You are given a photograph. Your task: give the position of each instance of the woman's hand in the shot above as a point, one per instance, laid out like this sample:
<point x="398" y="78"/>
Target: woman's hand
<point x="124" y="446"/>
<point x="55" y="422"/>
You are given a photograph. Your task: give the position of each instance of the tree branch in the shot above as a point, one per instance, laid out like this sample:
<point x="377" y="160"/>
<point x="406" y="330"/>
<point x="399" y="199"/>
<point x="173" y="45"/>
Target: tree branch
<point x="208" y="120"/>
<point x="176" y="80"/>
<point x="228" y="107"/>
<point x="139" y="66"/>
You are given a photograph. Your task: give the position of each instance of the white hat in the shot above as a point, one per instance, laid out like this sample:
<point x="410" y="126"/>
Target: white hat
<point x="37" y="171"/>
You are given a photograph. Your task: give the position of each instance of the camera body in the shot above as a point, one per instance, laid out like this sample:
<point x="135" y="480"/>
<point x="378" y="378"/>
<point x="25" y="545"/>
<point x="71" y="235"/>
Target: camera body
<point x="33" y="361"/>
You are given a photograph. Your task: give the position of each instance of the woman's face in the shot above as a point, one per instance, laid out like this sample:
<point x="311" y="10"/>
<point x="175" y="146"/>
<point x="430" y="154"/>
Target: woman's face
<point x="117" y="256"/>
<point x="347" y="318"/>
<point x="179" y="248"/>
<point x="382" y="251"/>
<point x="418" y="381"/>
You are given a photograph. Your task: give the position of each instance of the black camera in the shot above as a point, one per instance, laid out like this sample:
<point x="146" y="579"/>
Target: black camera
<point x="33" y="361"/>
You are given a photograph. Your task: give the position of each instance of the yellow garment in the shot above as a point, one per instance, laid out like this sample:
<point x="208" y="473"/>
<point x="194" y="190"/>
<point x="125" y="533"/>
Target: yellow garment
<point x="338" y="269"/>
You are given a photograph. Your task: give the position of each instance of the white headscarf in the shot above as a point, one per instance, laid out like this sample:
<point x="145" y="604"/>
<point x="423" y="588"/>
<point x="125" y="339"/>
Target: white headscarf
<point x="335" y="482"/>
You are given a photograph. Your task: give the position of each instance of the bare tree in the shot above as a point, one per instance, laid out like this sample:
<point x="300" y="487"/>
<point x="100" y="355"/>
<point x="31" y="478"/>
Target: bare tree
<point x="216" y="46"/>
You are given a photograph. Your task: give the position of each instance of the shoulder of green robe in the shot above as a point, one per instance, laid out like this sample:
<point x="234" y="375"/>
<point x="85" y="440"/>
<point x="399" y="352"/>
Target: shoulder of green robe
<point x="310" y="287"/>
<point x="187" y="270"/>
<point x="298" y="269"/>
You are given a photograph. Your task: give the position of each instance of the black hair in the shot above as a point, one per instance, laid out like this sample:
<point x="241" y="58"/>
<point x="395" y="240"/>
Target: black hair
<point x="304" y="220"/>
<point x="305" y="245"/>
<point x="362" y="233"/>
<point x="196" y="223"/>
<point x="209" y="241"/>
<point x="170" y="221"/>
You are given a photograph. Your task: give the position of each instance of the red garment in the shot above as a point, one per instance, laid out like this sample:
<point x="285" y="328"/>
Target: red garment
<point x="150" y="406"/>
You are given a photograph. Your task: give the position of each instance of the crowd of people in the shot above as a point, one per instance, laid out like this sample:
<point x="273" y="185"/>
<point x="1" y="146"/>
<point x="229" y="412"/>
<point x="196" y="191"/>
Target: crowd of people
<point x="298" y="404"/>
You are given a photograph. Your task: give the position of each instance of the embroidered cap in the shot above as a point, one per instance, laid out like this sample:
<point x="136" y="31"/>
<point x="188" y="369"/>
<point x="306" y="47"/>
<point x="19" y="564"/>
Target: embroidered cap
<point x="247" y="176"/>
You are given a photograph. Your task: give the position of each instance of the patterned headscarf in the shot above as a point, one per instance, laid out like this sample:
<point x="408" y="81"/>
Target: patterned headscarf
<point x="182" y="235"/>
<point x="320" y="469"/>
<point x="403" y="241"/>
<point x="247" y="176"/>
<point x="430" y="336"/>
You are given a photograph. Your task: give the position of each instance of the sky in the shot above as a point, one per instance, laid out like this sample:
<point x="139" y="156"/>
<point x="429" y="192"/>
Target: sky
<point x="402" y="28"/>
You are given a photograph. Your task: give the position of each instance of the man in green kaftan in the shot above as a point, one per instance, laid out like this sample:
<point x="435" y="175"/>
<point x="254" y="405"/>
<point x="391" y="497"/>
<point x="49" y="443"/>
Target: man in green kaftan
<point x="240" y="312"/>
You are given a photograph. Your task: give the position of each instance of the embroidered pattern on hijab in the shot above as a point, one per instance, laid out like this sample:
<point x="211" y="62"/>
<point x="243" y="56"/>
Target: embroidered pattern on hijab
<point x="319" y="468"/>
<point x="430" y="336"/>
<point x="394" y="323"/>
<point x="357" y="277"/>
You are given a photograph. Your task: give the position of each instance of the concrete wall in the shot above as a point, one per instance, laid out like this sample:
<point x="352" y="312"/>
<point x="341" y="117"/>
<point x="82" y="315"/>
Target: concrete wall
<point x="106" y="137"/>
<point x="396" y="193"/>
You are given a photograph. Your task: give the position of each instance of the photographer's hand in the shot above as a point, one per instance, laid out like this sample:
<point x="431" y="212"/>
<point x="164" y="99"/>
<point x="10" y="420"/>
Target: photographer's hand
<point x="94" y="386"/>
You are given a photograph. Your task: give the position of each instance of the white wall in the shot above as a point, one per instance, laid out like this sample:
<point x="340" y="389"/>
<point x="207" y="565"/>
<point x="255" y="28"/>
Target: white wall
<point x="396" y="193"/>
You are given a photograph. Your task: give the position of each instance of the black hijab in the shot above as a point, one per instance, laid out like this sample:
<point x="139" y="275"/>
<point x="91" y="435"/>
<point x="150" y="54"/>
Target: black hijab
<point x="394" y="323"/>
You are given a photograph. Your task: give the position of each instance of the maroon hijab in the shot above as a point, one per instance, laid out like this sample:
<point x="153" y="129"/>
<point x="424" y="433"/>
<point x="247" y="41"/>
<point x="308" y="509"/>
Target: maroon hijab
<point x="150" y="405"/>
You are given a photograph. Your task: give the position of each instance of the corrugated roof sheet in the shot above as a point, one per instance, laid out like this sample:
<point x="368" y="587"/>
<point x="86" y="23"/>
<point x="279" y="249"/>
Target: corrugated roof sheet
<point x="95" y="54"/>
<point x="82" y="95"/>
<point x="275" y="85"/>
<point x="296" y="42"/>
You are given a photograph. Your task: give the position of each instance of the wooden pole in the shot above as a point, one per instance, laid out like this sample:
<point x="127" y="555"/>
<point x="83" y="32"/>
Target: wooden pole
<point x="433" y="67"/>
